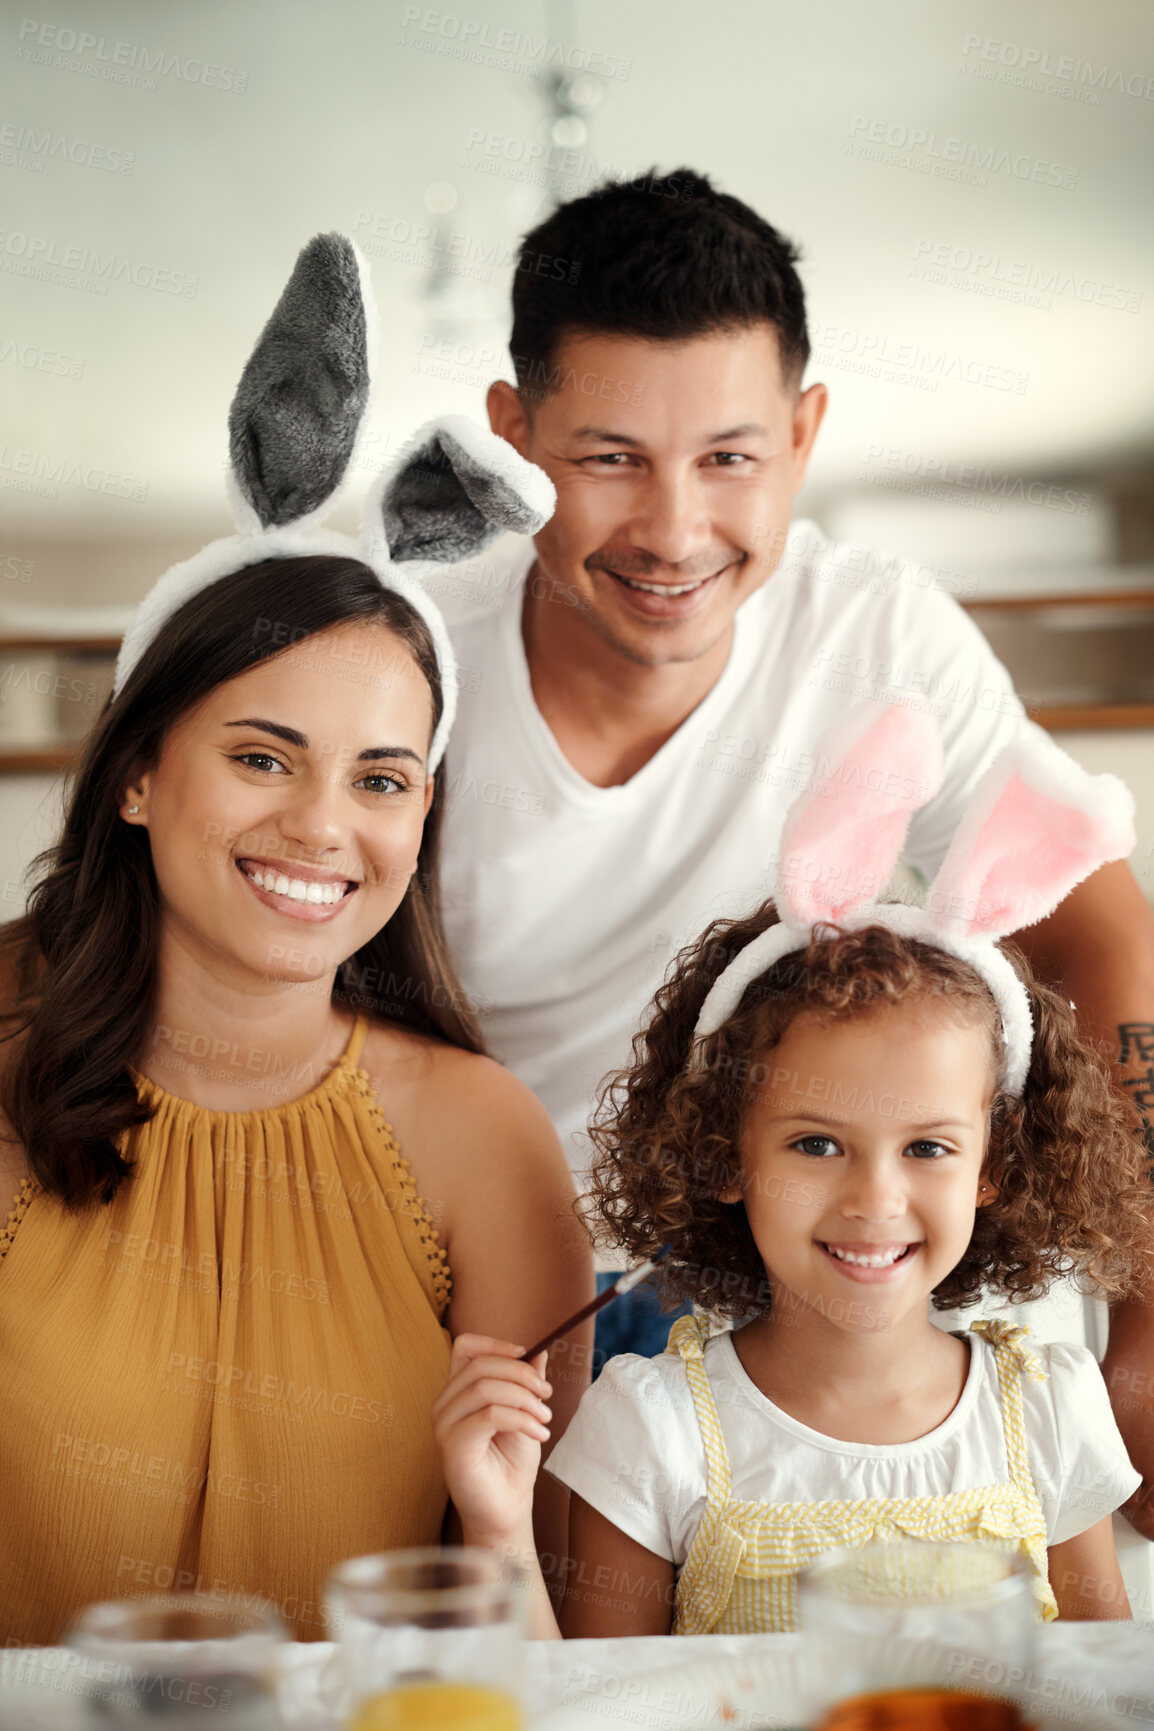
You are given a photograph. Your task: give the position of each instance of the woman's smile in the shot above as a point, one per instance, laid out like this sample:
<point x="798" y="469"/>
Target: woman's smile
<point x="315" y="787"/>
<point x="299" y="892"/>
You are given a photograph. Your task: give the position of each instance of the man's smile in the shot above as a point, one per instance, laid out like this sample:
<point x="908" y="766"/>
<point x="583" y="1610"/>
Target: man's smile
<point x="662" y="600"/>
<point x="662" y="588"/>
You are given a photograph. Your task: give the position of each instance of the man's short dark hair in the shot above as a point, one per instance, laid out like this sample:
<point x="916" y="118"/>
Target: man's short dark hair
<point x="665" y="257"/>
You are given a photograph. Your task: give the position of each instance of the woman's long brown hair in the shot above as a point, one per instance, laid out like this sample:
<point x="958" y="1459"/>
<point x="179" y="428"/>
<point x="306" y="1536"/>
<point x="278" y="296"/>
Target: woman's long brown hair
<point x="83" y="959"/>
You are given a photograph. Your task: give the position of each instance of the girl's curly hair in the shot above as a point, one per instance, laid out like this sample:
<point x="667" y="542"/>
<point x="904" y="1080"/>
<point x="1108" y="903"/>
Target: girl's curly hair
<point x="1066" y="1159"/>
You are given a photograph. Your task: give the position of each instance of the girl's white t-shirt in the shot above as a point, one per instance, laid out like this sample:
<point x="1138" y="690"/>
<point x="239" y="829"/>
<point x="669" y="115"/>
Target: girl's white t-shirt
<point x="565" y="902"/>
<point x="634" y="1448"/>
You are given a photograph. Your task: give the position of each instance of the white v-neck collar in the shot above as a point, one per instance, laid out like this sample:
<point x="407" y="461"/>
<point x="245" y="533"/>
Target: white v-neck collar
<point x="568" y="780"/>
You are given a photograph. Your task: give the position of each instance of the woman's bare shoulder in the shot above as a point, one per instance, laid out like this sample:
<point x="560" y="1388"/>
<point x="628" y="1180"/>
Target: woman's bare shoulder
<point x="445" y="1086"/>
<point x="486" y="1159"/>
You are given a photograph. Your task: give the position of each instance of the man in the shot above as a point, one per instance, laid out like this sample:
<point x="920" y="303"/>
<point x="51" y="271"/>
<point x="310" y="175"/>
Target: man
<point x="644" y="688"/>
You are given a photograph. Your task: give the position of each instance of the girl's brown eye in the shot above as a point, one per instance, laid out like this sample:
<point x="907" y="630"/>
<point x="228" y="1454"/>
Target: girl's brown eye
<point x="818" y="1146"/>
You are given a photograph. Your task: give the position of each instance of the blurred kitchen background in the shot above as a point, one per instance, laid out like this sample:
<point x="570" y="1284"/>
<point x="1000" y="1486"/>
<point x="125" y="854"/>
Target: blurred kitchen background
<point x="969" y="183"/>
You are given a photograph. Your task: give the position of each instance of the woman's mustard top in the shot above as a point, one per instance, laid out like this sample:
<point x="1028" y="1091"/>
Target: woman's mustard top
<point x="221" y="1381"/>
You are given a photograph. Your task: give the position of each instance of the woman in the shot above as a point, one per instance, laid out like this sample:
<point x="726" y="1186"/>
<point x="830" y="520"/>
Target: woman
<point x="228" y="1284"/>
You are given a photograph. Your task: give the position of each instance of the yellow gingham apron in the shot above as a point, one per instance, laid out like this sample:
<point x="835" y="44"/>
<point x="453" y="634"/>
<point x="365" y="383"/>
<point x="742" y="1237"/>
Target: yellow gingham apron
<point x="740" y="1576"/>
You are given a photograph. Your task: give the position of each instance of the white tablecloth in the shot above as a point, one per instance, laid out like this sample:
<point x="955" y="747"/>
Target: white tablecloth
<point x="1109" y="1665"/>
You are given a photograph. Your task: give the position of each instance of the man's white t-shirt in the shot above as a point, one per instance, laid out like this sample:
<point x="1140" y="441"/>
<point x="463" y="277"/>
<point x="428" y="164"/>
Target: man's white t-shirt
<point x="565" y="902"/>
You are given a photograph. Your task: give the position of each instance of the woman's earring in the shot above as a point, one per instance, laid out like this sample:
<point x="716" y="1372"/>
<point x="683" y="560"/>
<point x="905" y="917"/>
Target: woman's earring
<point x="132" y="810"/>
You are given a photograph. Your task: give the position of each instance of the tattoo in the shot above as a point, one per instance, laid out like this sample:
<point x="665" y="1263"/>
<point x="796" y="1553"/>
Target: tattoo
<point x="1138" y="1050"/>
<point x="1137" y="1043"/>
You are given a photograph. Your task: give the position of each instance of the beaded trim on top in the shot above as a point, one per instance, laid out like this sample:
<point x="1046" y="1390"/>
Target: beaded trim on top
<point x="16" y="1214"/>
<point x="413" y="1204"/>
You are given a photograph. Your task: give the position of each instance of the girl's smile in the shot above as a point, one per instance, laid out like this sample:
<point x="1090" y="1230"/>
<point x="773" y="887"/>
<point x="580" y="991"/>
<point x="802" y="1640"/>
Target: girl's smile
<point x="872" y="1262"/>
<point x="879" y="1187"/>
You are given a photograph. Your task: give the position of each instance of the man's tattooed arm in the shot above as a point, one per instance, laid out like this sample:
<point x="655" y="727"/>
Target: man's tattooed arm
<point x="1136" y="1056"/>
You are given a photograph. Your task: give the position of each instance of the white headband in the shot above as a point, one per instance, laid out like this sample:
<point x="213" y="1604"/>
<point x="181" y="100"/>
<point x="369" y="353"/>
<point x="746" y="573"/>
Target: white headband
<point x="294" y="424"/>
<point x="1035" y="826"/>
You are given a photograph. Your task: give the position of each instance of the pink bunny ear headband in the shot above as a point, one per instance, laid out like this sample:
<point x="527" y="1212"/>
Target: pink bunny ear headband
<point x="293" y="426"/>
<point x="1036" y="825"/>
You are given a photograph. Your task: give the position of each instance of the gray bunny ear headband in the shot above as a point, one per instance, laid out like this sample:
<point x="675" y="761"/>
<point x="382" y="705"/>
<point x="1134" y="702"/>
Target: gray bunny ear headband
<point x="293" y="429"/>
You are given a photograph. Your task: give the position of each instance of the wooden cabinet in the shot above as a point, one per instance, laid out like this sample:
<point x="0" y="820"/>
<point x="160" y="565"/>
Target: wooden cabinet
<point x="1082" y="660"/>
<point x="51" y="691"/>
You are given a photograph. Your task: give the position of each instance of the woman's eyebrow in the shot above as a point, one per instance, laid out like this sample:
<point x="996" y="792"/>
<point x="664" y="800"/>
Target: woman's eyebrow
<point x="376" y="751"/>
<point x="290" y="735"/>
<point x="293" y="736"/>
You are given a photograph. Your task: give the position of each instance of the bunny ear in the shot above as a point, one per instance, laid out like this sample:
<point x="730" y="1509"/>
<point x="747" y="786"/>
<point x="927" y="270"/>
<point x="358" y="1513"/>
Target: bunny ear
<point x="455" y="489"/>
<point x="1036" y="826"/>
<point x="843" y="836"/>
<point x="293" y="422"/>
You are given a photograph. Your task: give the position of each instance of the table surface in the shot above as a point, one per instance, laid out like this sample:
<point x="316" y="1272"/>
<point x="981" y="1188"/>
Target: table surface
<point x="42" y="1690"/>
<point x="1111" y="1664"/>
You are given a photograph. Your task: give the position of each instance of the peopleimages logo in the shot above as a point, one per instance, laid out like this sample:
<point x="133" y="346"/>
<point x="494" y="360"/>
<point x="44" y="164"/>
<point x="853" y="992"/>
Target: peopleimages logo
<point x="908" y="469"/>
<point x="899" y="145"/>
<point x="35" y="472"/>
<point x="1002" y="278"/>
<point x="82" y="267"/>
<point x="474" y="40"/>
<point x="130" y="63"/>
<point x="876" y="355"/>
<point x="455" y="252"/>
<point x="1032" y="66"/>
<point x="26" y="147"/>
<point x="36" y="359"/>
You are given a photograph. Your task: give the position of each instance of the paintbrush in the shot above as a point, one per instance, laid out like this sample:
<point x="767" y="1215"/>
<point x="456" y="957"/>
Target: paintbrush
<point x="623" y="1284"/>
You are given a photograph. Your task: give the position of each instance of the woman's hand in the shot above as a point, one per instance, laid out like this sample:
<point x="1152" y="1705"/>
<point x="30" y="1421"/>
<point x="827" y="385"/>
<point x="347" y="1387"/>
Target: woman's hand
<point x="489" y="1421"/>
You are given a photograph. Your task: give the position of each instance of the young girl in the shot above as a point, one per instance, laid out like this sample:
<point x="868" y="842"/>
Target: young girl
<point x="838" y="1111"/>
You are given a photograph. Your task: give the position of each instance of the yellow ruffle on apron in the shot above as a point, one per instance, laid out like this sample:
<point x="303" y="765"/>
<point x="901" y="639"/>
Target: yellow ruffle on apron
<point x="740" y="1576"/>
